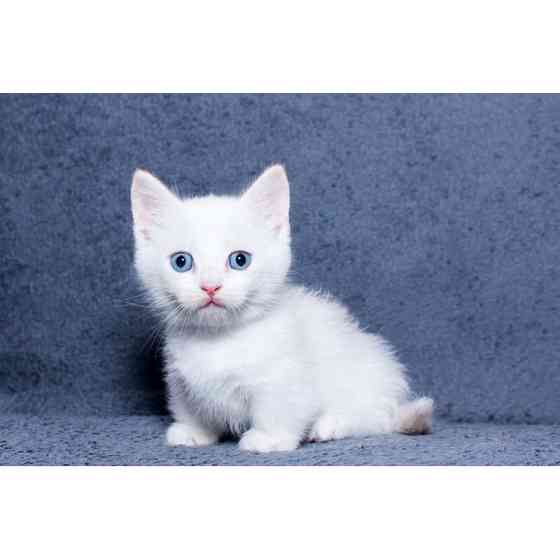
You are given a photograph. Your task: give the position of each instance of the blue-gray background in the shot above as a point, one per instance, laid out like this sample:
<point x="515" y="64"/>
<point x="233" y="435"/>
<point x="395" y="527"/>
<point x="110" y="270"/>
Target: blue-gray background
<point x="434" y="217"/>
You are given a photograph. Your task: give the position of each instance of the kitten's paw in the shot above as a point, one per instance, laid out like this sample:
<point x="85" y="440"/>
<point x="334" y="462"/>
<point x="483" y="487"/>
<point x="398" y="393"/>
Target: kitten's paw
<point x="184" y="434"/>
<point x="261" y="442"/>
<point x="327" y="428"/>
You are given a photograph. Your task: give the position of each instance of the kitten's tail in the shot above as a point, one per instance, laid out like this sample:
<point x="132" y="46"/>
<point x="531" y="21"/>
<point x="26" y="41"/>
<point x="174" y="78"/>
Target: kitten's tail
<point x="415" y="417"/>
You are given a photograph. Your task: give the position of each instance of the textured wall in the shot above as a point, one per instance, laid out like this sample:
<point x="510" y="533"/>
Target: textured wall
<point x="436" y="218"/>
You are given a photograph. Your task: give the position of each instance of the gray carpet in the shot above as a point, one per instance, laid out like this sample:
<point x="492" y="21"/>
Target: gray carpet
<point x="139" y="440"/>
<point x="433" y="217"/>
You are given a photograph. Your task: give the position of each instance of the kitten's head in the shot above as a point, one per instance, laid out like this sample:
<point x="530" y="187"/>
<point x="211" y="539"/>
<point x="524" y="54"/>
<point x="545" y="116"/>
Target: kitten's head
<point x="215" y="261"/>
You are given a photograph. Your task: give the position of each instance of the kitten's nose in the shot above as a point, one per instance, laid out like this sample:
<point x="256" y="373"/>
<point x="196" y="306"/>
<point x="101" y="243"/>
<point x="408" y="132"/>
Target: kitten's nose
<point x="210" y="290"/>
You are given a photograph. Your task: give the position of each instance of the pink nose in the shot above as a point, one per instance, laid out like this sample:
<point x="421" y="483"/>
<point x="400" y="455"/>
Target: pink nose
<point x="210" y="290"/>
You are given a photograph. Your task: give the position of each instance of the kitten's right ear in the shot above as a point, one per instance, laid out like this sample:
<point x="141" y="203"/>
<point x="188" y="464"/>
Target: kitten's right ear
<point x="149" y="197"/>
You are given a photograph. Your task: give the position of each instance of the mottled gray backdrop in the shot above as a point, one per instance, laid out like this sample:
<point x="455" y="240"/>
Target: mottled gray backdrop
<point x="436" y="218"/>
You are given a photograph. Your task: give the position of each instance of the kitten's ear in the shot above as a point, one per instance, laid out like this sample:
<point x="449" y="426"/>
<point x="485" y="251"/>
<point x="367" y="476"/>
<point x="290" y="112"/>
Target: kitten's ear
<point x="269" y="197"/>
<point x="149" y="197"/>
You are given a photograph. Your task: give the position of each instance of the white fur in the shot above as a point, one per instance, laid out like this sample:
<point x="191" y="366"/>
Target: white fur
<point x="278" y="364"/>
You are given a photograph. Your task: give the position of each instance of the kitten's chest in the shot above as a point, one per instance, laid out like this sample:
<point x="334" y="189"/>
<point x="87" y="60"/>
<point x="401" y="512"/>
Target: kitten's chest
<point x="217" y="363"/>
<point x="243" y="355"/>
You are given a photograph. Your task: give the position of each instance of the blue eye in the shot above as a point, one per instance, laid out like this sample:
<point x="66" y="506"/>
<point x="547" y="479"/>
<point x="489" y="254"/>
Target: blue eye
<point x="181" y="262"/>
<point x="239" y="260"/>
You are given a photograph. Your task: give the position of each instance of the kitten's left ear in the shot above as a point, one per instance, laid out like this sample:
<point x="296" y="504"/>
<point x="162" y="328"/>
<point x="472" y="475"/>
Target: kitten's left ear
<point x="269" y="197"/>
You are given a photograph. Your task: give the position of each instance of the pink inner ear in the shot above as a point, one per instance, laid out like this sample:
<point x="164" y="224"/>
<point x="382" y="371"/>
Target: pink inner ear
<point x="144" y="219"/>
<point x="269" y="196"/>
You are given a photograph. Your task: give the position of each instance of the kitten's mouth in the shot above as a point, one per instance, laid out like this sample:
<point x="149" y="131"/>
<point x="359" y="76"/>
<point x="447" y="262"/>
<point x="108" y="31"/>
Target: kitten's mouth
<point x="211" y="303"/>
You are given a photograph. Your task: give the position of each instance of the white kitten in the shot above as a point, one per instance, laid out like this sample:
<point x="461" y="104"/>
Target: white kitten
<point x="246" y="353"/>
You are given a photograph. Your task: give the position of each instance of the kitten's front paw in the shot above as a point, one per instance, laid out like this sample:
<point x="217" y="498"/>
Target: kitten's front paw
<point x="261" y="442"/>
<point x="184" y="434"/>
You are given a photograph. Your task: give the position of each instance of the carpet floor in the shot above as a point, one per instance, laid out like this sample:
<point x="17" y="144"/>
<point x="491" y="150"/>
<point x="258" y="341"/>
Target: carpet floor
<point x="139" y="440"/>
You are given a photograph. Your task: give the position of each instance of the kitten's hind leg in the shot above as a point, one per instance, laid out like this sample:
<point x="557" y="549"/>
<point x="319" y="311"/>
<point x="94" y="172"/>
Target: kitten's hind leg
<point x="413" y="417"/>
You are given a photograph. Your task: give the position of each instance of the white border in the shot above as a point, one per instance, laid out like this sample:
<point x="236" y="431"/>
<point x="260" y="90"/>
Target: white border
<point x="249" y="46"/>
<point x="280" y="512"/>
